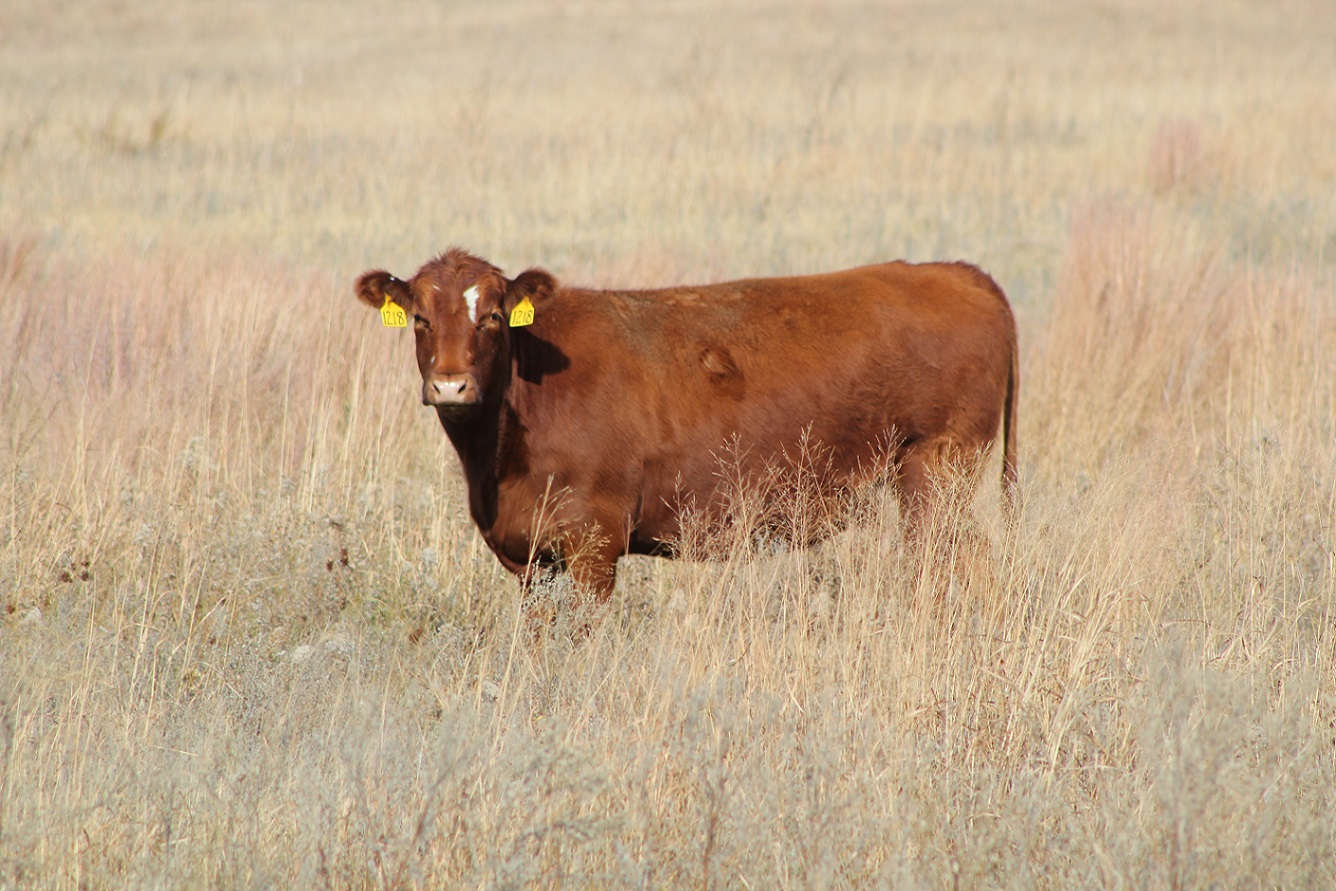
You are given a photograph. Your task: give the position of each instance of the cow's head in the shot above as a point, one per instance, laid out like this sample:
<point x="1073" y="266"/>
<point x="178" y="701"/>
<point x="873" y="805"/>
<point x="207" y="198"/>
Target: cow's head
<point x="459" y="307"/>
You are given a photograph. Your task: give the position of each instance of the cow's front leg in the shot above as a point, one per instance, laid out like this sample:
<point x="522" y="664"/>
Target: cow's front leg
<point x="591" y="558"/>
<point x="588" y="556"/>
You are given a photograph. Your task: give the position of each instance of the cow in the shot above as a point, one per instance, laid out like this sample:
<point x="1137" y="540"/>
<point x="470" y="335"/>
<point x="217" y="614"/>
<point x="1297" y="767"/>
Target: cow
<point x="590" y="423"/>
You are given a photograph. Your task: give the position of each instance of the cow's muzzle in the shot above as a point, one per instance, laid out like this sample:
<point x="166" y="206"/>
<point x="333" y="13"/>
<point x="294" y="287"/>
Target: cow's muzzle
<point x="450" y="389"/>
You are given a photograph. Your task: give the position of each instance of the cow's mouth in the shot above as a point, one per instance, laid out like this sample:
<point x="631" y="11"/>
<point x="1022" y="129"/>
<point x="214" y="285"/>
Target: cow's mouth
<point x="456" y="413"/>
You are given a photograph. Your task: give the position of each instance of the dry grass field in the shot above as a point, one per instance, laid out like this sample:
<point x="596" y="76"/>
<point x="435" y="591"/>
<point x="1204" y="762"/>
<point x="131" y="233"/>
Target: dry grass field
<point x="248" y="638"/>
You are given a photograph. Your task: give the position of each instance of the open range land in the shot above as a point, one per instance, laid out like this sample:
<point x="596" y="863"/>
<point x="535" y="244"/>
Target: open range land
<point x="249" y="638"/>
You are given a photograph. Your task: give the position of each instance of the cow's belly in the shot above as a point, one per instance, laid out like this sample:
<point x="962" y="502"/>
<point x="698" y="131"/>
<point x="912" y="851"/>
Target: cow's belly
<point x="786" y="494"/>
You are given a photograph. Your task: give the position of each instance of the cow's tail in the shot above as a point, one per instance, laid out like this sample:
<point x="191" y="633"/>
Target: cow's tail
<point x="1011" y="488"/>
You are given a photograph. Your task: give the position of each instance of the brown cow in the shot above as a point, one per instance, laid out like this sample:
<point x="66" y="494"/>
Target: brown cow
<point x="587" y="433"/>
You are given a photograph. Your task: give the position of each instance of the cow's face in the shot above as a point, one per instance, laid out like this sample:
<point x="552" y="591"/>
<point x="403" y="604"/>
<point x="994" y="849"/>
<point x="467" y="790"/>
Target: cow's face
<point x="454" y="304"/>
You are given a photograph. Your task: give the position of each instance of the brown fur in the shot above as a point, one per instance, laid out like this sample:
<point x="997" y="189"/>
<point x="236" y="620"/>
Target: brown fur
<point x="587" y="434"/>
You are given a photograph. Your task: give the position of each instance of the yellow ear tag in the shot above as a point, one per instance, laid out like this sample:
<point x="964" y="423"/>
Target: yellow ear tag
<point x="522" y="314"/>
<point x="392" y="315"/>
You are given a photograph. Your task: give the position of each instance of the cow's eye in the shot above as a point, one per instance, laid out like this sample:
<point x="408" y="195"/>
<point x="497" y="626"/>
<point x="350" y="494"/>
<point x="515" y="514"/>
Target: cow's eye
<point x="421" y="323"/>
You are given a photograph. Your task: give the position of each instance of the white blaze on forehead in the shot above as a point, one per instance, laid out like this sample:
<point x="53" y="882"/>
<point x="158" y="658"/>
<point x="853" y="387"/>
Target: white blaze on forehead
<point x="471" y="298"/>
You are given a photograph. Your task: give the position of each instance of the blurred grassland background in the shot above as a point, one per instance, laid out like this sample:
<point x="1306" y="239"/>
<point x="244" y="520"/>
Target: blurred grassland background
<point x="248" y="637"/>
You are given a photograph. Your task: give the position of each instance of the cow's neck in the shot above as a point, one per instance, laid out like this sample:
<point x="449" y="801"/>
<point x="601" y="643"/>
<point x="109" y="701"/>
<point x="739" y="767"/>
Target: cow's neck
<point x="475" y="439"/>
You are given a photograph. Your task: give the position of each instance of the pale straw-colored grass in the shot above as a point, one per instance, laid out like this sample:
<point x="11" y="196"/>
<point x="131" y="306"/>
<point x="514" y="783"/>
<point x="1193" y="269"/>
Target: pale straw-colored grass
<point x="248" y="637"/>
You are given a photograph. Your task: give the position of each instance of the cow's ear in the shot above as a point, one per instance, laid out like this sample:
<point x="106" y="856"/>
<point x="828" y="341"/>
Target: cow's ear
<point x="536" y="284"/>
<point x="373" y="287"/>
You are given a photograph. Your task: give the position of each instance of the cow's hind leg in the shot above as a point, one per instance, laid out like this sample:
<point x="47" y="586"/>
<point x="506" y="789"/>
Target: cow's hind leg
<point x="946" y="547"/>
<point x="916" y="500"/>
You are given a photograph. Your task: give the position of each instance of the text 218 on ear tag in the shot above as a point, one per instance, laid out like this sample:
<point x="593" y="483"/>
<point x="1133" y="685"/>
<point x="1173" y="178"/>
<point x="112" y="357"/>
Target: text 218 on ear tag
<point x="522" y="314"/>
<point x="392" y="315"/>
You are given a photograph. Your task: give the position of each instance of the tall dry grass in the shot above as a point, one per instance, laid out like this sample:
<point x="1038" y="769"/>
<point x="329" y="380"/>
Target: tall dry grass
<point x="248" y="637"/>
